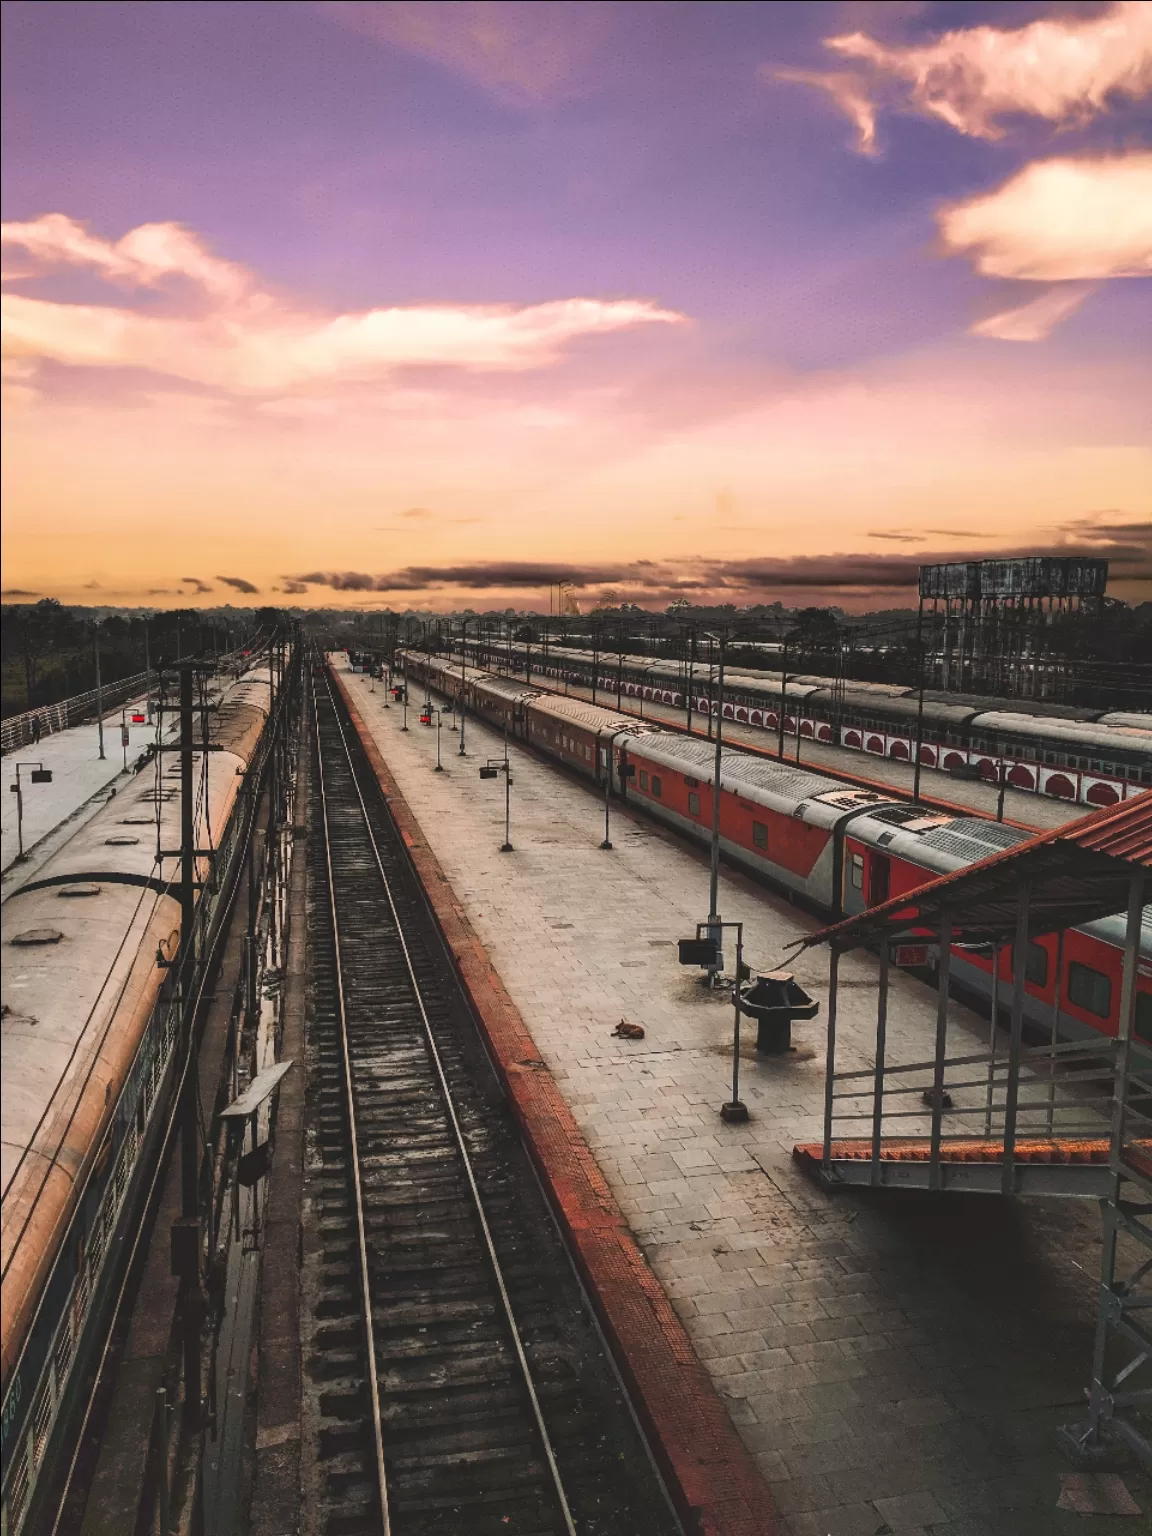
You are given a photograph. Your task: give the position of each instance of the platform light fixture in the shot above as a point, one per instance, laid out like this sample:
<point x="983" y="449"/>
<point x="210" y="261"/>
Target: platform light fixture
<point x="38" y="774"/>
<point x="491" y="770"/>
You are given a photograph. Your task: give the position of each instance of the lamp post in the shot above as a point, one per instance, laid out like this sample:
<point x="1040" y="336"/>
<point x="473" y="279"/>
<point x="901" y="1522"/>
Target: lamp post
<point x="491" y="769"/>
<point x="920" y="703"/>
<point x="439" y="768"/>
<point x="38" y="775"/>
<point x="606" y="764"/>
<point x="463" y="680"/>
<point x="147" y="672"/>
<point x="714" y="860"/>
<point x="783" y="697"/>
<point x="691" y="671"/>
<point x="99" y="690"/>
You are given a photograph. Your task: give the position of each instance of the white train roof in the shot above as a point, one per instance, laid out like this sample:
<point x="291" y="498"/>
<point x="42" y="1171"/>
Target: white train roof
<point x="1082" y="734"/>
<point x="791" y="791"/>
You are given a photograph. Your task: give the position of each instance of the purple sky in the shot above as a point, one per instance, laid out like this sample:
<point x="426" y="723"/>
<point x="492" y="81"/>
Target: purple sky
<point x="357" y="158"/>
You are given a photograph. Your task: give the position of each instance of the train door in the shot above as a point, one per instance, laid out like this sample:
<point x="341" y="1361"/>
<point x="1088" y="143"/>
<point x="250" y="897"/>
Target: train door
<point x="879" y="878"/>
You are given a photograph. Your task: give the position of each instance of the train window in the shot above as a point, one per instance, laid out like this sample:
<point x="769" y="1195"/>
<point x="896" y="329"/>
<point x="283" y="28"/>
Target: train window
<point x="1035" y="964"/>
<point x="1143" y="1023"/>
<point x="759" y="834"/>
<point x="657" y="787"/>
<point x="1090" y="989"/>
<point x="693" y="805"/>
<point x="643" y="779"/>
<point x="857" y="871"/>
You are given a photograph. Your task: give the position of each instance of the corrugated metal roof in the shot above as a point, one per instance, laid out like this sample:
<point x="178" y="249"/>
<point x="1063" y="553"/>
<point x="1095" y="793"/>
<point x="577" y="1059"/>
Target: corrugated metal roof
<point x="1076" y="874"/>
<point x="1121" y="831"/>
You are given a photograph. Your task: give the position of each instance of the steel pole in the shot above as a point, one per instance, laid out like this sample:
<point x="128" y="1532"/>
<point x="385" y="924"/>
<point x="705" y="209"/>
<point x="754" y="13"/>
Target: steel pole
<point x="607" y="767"/>
<point x="19" y="816"/>
<point x="99" y="690"/>
<point x="919" y="703"/>
<point x="189" y="1129"/>
<point x="507" y="848"/>
<point x="783" y="697"/>
<point x="463" y="681"/>
<point x="714" y="869"/>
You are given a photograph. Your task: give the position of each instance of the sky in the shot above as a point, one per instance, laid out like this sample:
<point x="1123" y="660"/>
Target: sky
<point x="435" y="305"/>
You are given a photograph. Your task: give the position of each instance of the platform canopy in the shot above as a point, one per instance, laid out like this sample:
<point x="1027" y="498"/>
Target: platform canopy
<point x="1076" y="874"/>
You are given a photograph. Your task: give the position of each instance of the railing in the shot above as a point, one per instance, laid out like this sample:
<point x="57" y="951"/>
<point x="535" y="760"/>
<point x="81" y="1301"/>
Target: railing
<point x="18" y="730"/>
<point x="1004" y="1094"/>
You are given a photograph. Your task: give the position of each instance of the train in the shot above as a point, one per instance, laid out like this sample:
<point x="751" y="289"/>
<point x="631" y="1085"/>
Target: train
<point x="832" y="847"/>
<point x="1088" y="757"/>
<point x="90" y="1029"/>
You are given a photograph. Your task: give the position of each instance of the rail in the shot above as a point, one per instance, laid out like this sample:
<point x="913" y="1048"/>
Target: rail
<point x="416" y="995"/>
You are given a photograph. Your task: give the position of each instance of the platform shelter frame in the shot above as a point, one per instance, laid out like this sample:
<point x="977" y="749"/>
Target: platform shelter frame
<point x="1058" y="1117"/>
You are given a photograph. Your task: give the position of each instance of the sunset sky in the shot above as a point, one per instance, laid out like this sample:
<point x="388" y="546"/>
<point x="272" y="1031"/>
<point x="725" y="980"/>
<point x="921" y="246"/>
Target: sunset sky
<point x="431" y="304"/>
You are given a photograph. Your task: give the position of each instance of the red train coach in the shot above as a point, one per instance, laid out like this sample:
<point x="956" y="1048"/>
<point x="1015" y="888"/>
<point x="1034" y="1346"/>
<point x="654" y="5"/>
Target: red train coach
<point x="835" y="848"/>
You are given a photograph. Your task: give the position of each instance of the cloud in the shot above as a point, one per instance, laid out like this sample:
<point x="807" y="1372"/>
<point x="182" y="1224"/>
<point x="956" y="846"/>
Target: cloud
<point x="195" y="582"/>
<point x="294" y="586"/>
<point x="1064" y="69"/>
<point x="143" y="258"/>
<point x="522" y="55"/>
<point x="17" y="592"/>
<point x="1128" y="546"/>
<point x="1059" y="220"/>
<point x="416" y="512"/>
<point x="1035" y="318"/>
<point x="246" y="341"/>
<point x="848" y="92"/>
<point x="238" y="582"/>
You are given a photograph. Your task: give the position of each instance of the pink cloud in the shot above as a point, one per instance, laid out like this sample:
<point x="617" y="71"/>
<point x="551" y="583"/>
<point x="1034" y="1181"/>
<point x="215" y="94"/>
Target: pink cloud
<point x="1064" y="69"/>
<point x="247" y="341"/>
<point x="1059" y="220"/>
<point x="521" y="54"/>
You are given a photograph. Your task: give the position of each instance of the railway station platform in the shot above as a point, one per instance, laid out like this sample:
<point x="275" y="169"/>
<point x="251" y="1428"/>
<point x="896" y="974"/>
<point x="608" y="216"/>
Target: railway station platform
<point x="895" y="1363"/>
<point x="1038" y="812"/>
<point x="81" y="781"/>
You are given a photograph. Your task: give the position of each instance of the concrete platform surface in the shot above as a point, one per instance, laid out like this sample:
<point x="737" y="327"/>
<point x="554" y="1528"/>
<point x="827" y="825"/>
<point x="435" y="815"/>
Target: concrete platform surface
<point x="895" y="1362"/>
<point x="79" y="775"/>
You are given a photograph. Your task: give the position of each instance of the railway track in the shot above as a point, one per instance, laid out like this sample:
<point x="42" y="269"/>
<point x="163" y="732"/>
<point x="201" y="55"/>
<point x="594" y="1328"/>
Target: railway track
<point x="459" y="1383"/>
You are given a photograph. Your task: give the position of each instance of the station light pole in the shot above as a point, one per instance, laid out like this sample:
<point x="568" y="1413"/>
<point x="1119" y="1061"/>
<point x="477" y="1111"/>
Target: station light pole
<point x="38" y="774"/>
<point x="919" y="703"/>
<point x="99" y="691"/>
<point x="714" y="920"/>
<point x="783" y="697"/>
<point x="491" y="769"/>
<point x="606" y="764"/>
<point x="463" y="680"/>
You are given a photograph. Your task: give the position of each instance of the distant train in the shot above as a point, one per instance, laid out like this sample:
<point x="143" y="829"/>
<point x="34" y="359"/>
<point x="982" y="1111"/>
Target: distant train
<point x="836" y="848"/>
<point x="90" y="1024"/>
<point x="1091" y="757"/>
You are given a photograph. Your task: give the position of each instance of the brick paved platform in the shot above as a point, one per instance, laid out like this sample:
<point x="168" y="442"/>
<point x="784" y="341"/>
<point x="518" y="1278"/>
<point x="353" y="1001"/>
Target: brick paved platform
<point x="894" y="1361"/>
